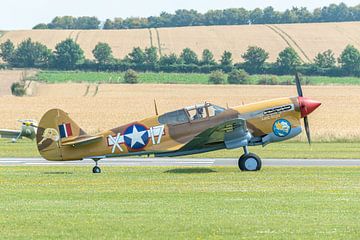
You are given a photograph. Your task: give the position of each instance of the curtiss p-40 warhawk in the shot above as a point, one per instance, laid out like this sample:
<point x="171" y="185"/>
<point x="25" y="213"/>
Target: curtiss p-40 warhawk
<point x="190" y="130"/>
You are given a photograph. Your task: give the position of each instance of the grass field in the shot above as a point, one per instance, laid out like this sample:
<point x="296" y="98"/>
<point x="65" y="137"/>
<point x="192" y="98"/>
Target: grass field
<point x="179" y="203"/>
<point x="172" y="78"/>
<point x="336" y="150"/>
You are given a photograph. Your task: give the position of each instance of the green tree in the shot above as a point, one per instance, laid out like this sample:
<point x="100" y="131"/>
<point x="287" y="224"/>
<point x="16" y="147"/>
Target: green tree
<point x="214" y="17"/>
<point x="103" y="53"/>
<point x="226" y="59"/>
<point x="270" y="15"/>
<point x="325" y="59"/>
<point x="31" y="54"/>
<point x="288" y="60"/>
<point x="108" y="24"/>
<point x="207" y="57"/>
<point x="18" y="89"/>
<point x="188" y="56"/>
<point x="256" y="16"/>
<point x="167" y="60"/>
<point x="255" y="58"/>
<point x="118" y="23"/>
<point x="86" y="23"/>
<point x="68" y="54"/>
<point x="137" y="56"/>
<point x="217" y="77"/>
<point x="185" y="17"/>
<point x="350" y="60"/>
<point x="131" y="76"/>
<point x="41" y="26"/>
<point x="238" y="77"/>
<point x="152" y="56"/>
<point x="65" y="22"/>
<point x="7" y="50"/>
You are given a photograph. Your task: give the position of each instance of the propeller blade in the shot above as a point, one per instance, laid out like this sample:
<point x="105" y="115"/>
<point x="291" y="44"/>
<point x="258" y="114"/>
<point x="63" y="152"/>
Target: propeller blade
<point x="307" y="129"/>
<point x="298" y="85"/>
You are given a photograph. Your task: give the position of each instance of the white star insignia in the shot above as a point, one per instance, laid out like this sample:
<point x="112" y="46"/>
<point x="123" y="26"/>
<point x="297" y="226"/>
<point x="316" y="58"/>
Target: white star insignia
<point x="136" y="136"/>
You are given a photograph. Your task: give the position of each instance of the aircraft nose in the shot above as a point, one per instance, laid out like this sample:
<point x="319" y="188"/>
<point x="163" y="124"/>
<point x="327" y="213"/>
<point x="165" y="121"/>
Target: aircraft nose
<point x="307" y="106"/>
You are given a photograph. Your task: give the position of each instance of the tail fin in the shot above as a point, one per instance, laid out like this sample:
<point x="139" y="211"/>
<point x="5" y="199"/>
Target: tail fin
<point x="54" y="128"/>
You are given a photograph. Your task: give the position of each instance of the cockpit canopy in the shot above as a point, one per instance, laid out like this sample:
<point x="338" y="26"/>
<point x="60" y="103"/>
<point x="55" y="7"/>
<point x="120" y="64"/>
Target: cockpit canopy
<point x="192" y="113"/>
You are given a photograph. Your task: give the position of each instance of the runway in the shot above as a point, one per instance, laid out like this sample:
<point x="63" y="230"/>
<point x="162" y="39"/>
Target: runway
<point x="181" y="162"/>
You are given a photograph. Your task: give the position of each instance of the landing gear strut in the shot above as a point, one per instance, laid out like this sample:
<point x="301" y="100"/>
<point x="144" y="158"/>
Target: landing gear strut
<point x="249" y="161"/>
<point x="96" y="169"/>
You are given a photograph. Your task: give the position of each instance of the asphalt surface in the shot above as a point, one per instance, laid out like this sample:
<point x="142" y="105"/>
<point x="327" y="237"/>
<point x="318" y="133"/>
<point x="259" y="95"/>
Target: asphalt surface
<point x="192" y="162"/>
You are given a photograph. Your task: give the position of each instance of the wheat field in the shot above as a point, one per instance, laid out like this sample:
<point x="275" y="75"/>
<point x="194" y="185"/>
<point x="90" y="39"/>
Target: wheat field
<point x="307" y="39"/>
<point x="114" y="105"/>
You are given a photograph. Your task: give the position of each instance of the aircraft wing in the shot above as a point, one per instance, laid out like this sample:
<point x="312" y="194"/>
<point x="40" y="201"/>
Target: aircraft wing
<point x="6" y="133"/>
<point x="232" y="133"/>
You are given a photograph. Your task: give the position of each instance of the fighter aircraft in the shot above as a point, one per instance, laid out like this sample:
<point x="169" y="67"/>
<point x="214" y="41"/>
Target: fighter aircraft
<point x="28" y="130"/>
<point x="190" y="130"/>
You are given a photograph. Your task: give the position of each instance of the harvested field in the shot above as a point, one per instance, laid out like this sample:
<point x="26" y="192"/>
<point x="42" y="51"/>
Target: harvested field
<point x="121" y="42"/>
<point x="116" y="104"/>
<point x="307" y="39"/>
<point x="235" y="39"/>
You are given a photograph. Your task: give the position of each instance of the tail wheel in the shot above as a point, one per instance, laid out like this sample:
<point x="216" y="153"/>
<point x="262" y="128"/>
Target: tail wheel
<point x="249" y="162"/>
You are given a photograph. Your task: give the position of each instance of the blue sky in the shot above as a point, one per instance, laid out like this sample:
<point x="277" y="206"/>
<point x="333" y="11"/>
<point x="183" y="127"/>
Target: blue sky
<point x="24" y="14"/>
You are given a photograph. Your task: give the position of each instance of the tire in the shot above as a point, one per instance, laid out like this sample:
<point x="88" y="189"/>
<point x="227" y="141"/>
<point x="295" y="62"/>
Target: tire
<point x="96" y="169"/>
<point x="250" y="162"/>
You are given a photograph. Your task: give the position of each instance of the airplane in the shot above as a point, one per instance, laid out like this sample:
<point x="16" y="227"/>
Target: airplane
<point x="190" y="130"/>
<point x="28" y="130"/>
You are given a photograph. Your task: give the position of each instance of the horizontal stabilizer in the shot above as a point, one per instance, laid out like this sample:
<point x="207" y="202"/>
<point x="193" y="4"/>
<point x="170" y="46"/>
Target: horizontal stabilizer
<point x="83" y="140"/>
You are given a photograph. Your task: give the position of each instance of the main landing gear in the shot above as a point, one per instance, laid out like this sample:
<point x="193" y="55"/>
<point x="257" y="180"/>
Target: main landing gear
<point x="96" y="169"/>
<point x="249" y="161"/>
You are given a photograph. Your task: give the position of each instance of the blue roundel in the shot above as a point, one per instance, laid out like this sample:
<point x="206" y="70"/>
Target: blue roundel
<point x="136" y="136"/>
<point x="281" y="127"/>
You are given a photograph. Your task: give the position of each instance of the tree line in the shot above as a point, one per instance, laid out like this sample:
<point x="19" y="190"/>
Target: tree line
<point x="232" y="16"/>
<point x="68" y="55"/>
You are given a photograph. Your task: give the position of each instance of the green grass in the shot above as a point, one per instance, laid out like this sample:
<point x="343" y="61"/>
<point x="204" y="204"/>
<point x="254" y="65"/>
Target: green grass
<point x="292" y="149"/>
<point x="173" y="78"/>
<point x="118" y="77"/>
<point x="180" y="203"/>
<point x="22" y="148"/>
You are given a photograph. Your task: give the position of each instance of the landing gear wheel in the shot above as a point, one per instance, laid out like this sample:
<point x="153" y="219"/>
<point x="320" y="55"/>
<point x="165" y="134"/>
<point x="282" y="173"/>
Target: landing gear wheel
<point x="96" y="169"/>
<point x="249" y="162"/>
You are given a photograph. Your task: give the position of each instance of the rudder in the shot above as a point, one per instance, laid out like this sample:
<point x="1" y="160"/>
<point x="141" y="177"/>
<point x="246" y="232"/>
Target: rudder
<point x="54" y="128"/>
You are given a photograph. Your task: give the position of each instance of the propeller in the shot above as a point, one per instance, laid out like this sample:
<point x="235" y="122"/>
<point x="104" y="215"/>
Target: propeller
<point x="298" y="85"/>
<point x="306" y="120"/>
<point x="28" y="123"/>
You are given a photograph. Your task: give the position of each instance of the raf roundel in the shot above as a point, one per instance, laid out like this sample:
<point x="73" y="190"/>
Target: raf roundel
<point x="281" y="127"/>
<point x="136" y="136"/>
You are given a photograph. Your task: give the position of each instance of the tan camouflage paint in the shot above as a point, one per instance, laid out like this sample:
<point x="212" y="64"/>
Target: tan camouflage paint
<point x="174" y="138"/>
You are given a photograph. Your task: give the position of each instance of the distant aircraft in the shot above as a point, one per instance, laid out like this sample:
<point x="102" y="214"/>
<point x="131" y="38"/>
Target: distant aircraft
<point x="28" y="130"/>
<point x="190" y="130"/>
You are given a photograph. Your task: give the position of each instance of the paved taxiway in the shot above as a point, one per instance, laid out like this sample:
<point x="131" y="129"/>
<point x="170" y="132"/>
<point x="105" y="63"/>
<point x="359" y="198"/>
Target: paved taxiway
<point x="203" y="162"/>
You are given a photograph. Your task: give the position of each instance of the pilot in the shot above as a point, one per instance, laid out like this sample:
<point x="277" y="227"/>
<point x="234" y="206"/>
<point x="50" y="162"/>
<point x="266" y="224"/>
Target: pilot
<point x="199" y="113"/>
